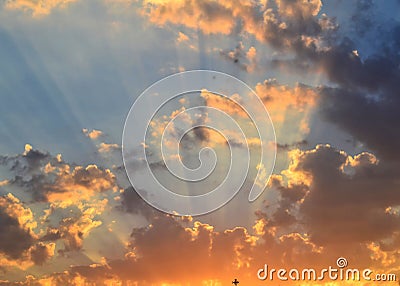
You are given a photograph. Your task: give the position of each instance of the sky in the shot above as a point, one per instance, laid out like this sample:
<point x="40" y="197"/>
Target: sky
<point x="328" y="72"/>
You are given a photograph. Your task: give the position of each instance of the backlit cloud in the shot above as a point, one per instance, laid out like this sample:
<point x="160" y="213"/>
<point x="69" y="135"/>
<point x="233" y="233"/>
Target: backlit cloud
<point x="325" y="207"/>
<point x="290" y="23"/>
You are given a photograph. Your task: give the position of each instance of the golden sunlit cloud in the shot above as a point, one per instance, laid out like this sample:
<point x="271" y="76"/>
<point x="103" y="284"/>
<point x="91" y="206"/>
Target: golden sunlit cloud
<point x="108" y="147"/>
<point x="93" y="134"/>
<point x="38" y="8"/>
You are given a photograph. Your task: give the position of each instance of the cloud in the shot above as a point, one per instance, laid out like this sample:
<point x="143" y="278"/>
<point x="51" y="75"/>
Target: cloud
<point x="93" y="134"/>
<point x="316" y="218"/>
<point x="41" y="252"/>
<point x="72" y="198"/>
<point x="282" y="24"/>
<point x="26" y="163"/>
<point x="341" y="197"/>
<point x="251" y="55"/>
<point x="19" y="245"/>
<point x="108" y="147"/>
<point x="73" y="230"/>
<point x="198" y="247"/>
<point x="188" y="244"/>
<point x="290" y="108"/>
<point x="163" y="250"/>
<point x="209" y="16"/>
<point x="81" y="180"/>
<point x="362" y="97"/>
<point x="287" y="147"/>
<point x="371" y="121"/>
<point x="58" y="279"/>
<point x="223" y="104"/>
<point x="131" y="202"/>
<point x="3" y="183"/>
<point x="182" y="37"/>
<point x="48" y="178"/>
<point x="246" y="60"/>
<point x="15" y="228"/>
<point x="37" y="8"/>
<point x="362" y="19"/>
<point x="74" y="227"/>
<point x="308" y="40"/>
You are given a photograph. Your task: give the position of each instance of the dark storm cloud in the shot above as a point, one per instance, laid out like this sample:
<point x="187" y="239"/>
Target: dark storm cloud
<point x="14" y="239"/>
<point x="372" y="121"/>
<point x="347" y="198"/>
<point x="289" y="196"/>
<point x="367" y="101"/>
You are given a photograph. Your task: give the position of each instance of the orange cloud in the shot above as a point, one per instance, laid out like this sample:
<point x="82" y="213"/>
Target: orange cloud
<point x="79" y="184"/>
<point x="93" y="134"/>
<point x="224" y="104"/>
<point x="246" y="60"/>
<point x="4" y="183"/>
<point x="193" y="14"/>
<point x="281" y="27"/>
<point x="301" y="8"/>
<point x="73" y="231"/>
<point x="106" y="147"/>
<point x="13" y="207"/>
<point x="288" y="107"/>
<point x="251" y="55"/>
<point x="38" y="8"/>
<point x="182" y="37"/>
<point x="71" y="197"/>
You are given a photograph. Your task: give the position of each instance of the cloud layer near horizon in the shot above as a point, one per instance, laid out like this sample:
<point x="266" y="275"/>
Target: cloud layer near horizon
<point x="308" y="226"/>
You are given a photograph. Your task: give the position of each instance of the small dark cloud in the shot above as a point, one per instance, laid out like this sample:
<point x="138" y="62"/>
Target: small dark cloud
<point x="52" y="234"/>
<point x="131" y="202"/>
<point x="286" y="147"/>
<point x="41" y="252"/>
<point x="236" y="56"/>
